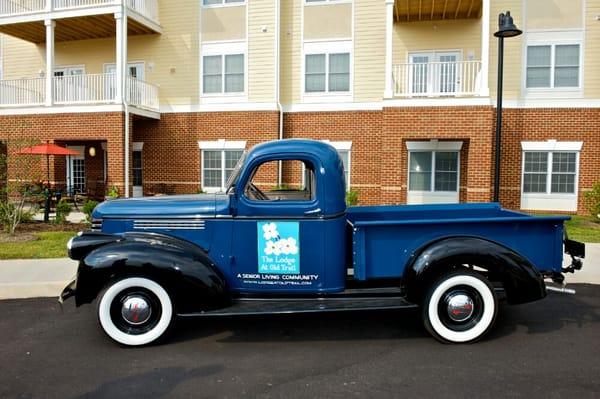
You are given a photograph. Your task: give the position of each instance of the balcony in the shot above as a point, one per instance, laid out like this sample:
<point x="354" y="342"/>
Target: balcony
<point x="432" y="10"/>
<point x="437" y="79"/>
<point x="90" y="89"/>
<point x="76" y="19"/>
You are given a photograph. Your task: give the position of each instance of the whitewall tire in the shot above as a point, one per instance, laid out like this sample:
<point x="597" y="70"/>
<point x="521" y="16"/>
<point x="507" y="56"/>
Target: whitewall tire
<point x="460" y="307"/>
<point x="135" y="311"/>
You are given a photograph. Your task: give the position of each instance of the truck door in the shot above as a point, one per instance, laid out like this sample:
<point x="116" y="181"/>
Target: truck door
<point x="279" y="232"/>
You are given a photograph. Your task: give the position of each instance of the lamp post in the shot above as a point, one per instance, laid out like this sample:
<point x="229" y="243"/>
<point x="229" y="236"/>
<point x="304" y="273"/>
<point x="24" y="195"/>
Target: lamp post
<point x="506" y="28"/>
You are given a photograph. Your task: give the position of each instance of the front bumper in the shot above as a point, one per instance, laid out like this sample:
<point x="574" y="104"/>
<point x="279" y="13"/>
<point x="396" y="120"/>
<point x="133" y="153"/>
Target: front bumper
<point x="68" y="291"/>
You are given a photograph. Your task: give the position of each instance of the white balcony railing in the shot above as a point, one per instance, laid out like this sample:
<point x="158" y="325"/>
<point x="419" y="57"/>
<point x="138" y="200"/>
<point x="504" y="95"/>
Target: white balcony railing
<point x="84" y="89"/>
<point x="15" y="7"/>
<point x="22" y="92"/>
<point x="437" y="79"/>
<point x="146" y="8"/>
<point x="142" y="94"/>
<point x="77" y="90"/>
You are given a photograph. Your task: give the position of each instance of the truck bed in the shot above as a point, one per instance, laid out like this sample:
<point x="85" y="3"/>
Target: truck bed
<point x="385" y="237"/>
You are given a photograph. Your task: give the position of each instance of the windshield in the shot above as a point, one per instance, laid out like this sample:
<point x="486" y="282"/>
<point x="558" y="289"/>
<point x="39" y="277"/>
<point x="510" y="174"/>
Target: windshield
<point x="235" y="173"/>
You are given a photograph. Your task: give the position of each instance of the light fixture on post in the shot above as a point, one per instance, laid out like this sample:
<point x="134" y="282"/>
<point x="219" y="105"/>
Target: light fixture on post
<point x="506" y="28"/>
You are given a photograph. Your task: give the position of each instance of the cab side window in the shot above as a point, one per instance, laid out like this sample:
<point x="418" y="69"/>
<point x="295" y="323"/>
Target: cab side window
<point x="297" y="181"/>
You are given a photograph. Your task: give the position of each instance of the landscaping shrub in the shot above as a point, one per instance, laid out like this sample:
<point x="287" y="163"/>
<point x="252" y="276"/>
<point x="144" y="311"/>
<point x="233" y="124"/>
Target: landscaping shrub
<point x="592" y="199"/>
<point x="352" y="198"/>
<point x="113" y="192"/>
<point x="63" y="209"/>
<point x="88" y="208"/>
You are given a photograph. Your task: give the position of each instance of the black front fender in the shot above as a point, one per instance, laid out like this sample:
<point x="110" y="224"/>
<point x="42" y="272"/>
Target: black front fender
<point x="521" y="280"/>
<point x="182" y="268"/>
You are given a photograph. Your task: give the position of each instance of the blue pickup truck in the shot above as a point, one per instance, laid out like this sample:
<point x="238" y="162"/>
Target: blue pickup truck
<point x="257" y="249"/>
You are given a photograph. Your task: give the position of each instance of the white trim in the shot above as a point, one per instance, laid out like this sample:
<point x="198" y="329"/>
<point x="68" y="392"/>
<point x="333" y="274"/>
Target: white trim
<point x="339" y="145"/>
<point x="434" y="145"/>
<point x="327" y="47"/>
<point x="438" y="102"/>
<point x="218" y="107"/>
<point x="389" y="48"/>
<point x="325" y="2"/>
<point x="222" y="144"/>
<point x="222" y="49"/>
<point x="433" y="196"/>
<point x="552" y="38"/>
<point x="70" y="158"/>
<point x="77" y="109"/>
<point x="551" y="103"/>
<point x="138" y="145"/>
<point x="484" y="89"/>
<point x="549" y="201"/>
<point x="552" y="145"/>
<point x="332" y="107"/>
<point x="223" y="4"/>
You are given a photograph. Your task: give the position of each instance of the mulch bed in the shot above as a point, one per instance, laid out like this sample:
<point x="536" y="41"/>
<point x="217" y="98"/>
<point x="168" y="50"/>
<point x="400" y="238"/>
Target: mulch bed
<point x="25" y="231"/>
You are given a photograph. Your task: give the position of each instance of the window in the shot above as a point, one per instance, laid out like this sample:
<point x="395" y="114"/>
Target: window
<point x="223" y="74"/>
<point x="553" y="66"/>
<point x="219" y="159"/>
<point x="137" y="168"/>
<point x="297" y="184"/>
<point x="327" y="73"/>
<point x="549" y="172"/>
<point x="221" y="2"/>
<point x="433" y="171"/>
<point x="549" y="175"/>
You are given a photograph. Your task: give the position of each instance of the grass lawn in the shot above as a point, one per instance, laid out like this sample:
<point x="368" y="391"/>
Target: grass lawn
<point x="50" y="244"/>
<point x="583" y="228"/>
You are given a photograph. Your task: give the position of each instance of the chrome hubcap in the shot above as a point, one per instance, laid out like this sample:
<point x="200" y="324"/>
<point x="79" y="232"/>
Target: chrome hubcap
<point x="136" y="310"/>
<point x="460" y="307"/>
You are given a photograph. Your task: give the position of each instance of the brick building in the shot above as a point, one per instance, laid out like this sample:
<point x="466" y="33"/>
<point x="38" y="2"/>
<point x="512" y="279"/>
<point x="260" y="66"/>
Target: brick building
<point x="403" y="89"/>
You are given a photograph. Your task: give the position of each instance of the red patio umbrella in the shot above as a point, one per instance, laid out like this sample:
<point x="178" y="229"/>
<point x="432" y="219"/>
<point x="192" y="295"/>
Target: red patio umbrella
<point x="47" y="149"/>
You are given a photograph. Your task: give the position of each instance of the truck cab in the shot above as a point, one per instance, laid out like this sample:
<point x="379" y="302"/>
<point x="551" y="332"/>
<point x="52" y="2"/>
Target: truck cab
<point x="280" y="239"/>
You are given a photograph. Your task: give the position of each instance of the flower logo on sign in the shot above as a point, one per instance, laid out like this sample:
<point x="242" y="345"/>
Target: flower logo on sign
<point x="275" y="245"/>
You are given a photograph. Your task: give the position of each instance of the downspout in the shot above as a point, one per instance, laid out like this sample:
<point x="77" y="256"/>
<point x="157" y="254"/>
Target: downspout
<point x="125" y="103"/>
<point x="277" y="81"/>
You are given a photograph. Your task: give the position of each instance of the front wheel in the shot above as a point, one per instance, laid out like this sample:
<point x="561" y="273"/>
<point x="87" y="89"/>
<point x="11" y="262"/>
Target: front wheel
<point x="135" y="311"/>
<point x="460" y="307"/>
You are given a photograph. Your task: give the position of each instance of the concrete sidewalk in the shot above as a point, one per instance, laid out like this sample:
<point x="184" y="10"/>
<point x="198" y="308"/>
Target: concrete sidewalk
<point x="33" y="278"/>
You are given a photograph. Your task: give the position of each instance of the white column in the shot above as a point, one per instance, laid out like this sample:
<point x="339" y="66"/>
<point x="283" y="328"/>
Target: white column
<point x="121" y="56"/>
<point x="389" y="31"/>
<point x="50" y="25"/>
<point x="484" y="90"/>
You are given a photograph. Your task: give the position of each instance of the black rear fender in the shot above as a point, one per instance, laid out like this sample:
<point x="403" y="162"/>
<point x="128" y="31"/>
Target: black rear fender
<point x="182" y="268"/>
<point x="520" y="279"/>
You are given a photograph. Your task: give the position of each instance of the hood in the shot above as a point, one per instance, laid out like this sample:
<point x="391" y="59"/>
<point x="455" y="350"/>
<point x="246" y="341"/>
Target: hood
<point x="196" y="205"/>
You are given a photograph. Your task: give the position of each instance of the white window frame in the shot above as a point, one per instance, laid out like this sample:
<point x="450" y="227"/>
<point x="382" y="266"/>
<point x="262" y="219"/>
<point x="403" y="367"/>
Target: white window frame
<point x="322" y="2"/>
<point x="549" y="201"/>
<point x="223" y="4"/>
<point x="431" y="196"/>
<point x="328" y="47"/>
<point x="433" y="80"/>
<point x="222" y="49"/>
<point x="70" y="158"/>
<point x="343" y="146"/>
<point x="552" y="39"/>
<point x="218" y="145"/>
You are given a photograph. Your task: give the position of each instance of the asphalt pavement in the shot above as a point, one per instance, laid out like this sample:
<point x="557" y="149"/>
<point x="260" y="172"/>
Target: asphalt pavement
<point x="546" y="349"/>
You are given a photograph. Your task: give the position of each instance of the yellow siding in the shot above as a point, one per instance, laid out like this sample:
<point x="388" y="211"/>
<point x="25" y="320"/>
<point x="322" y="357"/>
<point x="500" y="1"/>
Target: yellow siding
<point x="21" y="59"/>
<point x="223" y="23"/>
<point x="553" y="14"/>
<point x="261" y="51"/>
<point x="369" y="50"/>
<point x="512" y="50"/>
<point x="592" y="51"/>
<point x="329" y="21"/>
<point x="291" y="50"/>
<point x="463" y="35"/>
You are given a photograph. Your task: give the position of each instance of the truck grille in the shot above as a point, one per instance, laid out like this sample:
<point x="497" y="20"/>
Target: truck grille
<point x="97" y="225"/>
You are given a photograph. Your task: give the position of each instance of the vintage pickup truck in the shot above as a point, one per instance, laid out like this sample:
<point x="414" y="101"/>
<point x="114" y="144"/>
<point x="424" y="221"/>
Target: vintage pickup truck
<point x="253" y="250"/>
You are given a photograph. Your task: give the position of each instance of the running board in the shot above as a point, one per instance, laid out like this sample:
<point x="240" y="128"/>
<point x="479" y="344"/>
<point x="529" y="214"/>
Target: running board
<point x="248" y="306"/>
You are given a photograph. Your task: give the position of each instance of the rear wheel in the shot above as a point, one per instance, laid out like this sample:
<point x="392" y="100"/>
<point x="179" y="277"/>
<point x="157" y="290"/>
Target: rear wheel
<point x="135" y="311"/>
<point x="460" y="307"/>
